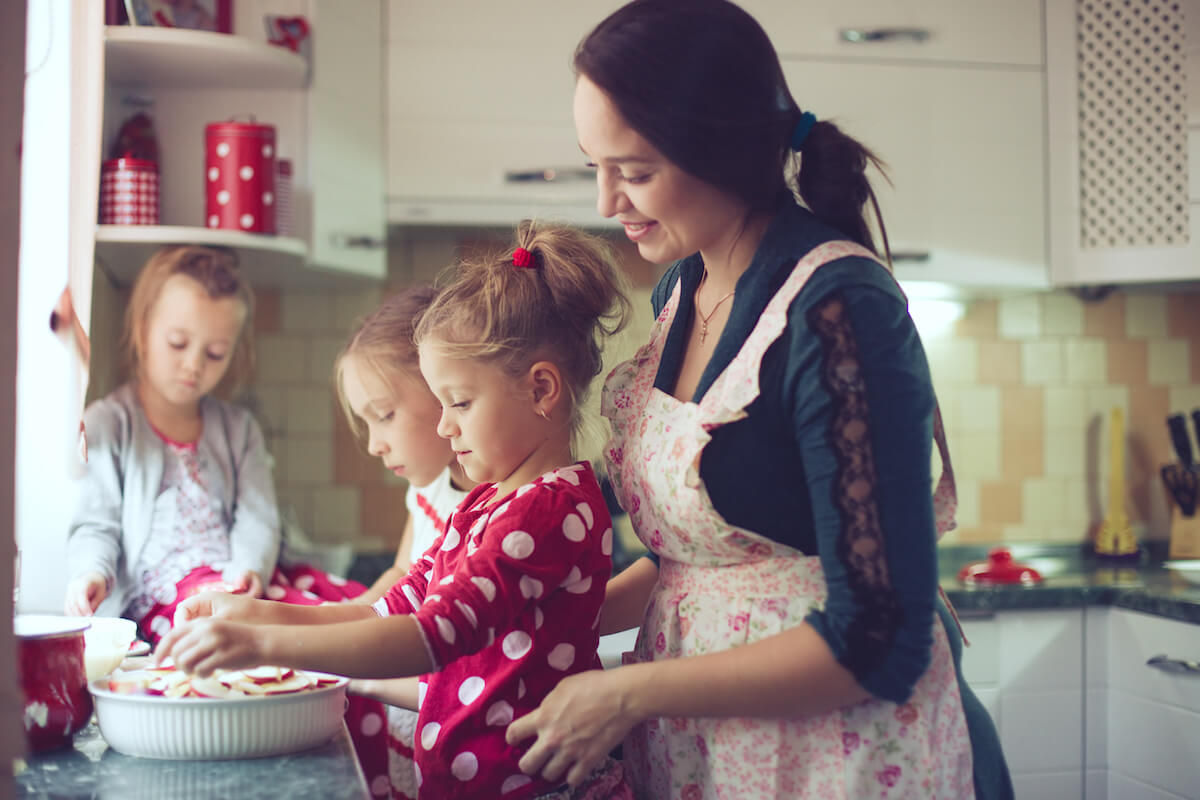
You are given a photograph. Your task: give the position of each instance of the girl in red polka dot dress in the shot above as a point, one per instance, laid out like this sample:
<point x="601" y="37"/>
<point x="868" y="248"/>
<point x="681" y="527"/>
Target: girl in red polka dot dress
<point x="507" y="601"/>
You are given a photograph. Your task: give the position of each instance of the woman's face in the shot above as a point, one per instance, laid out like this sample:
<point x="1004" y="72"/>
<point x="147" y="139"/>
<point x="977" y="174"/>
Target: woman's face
<point x="667" y="212"/>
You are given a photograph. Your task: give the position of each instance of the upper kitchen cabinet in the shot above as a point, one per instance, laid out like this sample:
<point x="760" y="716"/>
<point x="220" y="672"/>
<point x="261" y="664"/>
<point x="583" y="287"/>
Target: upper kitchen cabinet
<point x="327" y="123"/>
<point x="479" y="112"/>
<point x="950" y="95"/>
<point x="1124" y="141"/>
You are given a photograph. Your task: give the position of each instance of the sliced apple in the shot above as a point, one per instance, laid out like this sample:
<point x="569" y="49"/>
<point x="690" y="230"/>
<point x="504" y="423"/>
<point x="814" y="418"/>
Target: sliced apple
<point x="210" y="687"/>
<point x="268" y="674"/>
<point x="296" y="682"/>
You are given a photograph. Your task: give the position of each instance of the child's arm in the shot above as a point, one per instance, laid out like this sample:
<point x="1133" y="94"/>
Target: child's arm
<point x="401" y="692"/>
<point x="242" y="608"/>
<point x="382" y="647"/>
<point x="626" y="596"/>
<point x="254" y="532"/>
<point x="398" y="569"/>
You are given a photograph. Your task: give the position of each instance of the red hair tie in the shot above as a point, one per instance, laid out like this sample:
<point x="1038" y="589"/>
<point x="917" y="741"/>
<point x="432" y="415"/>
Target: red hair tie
<point x="522" y="258"/>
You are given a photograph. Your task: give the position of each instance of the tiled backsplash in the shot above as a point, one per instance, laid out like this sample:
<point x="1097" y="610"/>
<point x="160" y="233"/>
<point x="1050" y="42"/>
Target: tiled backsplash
<point x="1026" y="386"/>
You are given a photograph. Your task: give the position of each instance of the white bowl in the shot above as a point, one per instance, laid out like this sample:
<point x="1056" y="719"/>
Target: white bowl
<point x="106" y="643"/>
<point x="1189" y="569"/>
<point x="200" y="728"/>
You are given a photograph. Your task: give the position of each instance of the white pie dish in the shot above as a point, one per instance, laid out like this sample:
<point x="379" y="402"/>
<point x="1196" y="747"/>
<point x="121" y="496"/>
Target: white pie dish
<point x="202" y="728"/>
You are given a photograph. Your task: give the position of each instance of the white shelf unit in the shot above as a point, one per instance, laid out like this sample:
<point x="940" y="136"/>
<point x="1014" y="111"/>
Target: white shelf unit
<point x="170" y="58"/>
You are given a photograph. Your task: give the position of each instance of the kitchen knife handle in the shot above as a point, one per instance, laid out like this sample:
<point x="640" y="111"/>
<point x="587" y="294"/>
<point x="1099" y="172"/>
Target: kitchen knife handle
<point x="1177" y="426"/>
<point x="1196" y="425"/>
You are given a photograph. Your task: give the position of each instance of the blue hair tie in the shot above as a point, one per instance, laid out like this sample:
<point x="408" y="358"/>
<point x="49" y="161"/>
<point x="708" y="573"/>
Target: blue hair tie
<point x="803" y="127"/>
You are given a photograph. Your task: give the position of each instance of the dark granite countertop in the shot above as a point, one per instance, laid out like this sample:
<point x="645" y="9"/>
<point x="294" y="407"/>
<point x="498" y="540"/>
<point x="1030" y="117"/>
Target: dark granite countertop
<point x="90" y="769"/>
<point x="1074" y="577"/>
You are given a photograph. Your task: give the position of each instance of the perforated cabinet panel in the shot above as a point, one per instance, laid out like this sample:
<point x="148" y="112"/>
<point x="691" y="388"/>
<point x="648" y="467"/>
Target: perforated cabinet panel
<point x="1133" y="123"/>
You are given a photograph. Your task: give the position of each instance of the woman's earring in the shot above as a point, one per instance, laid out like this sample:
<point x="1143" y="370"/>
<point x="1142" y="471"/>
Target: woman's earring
<point x="542" y="413"/>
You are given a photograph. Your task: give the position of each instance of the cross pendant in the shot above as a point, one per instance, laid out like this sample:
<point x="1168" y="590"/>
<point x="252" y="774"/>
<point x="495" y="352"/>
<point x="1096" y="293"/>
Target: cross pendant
<point x="703" y="330"/>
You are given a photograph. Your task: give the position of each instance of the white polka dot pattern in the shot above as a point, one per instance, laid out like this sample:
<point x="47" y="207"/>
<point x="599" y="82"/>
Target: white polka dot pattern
<point x="371" y="724"/>
<point x="160" y="625"/>
<point x="445" y="629"/>
<point x="585" y="511"/>
<point x="452" y="540"/>
<point x="486" y="586"/>
<point x="572" y="577"/>
<point x="223" y="149"/>
<point x="573" y="528"/>
<point x="514" y="782"/>
<point x="580" y="586"/>
<point x="246" y="172"/>
<point x="305" y="582"/>
<point x="464" y="766"/>
<point x="516" y="644"/>
<point x="562" y="656"/>
<point x="517" y="544"/>
<point x="213" y="173"/>
<point x="447" y="579"/>
<point x="499" y="713"/>
<point x="467" y="612"/>
<point x="422" y="688"/>
<point x="606" y="542"/>
<point x="538" y="618"/>
<point x="470" y="689"/>
<point x="410" y="596"/>
<point x="223" y="197"/>
<point x="381" y="786"/>
<point x="429" y="735"/>
<point x="521" y="689"/>
<point x="276" y="592"/>
<point x="530" y="587"/>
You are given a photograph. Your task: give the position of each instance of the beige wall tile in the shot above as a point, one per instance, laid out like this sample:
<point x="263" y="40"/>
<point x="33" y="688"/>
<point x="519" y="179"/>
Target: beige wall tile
<point x="1184" y="398"/>
<point x="1000" y="362"/>
<point x="1077" y="507"/>
<point x="1183" y="315"/>
<point x="1169" y="362"/>
<point x="1086" y="361"/>
<point x="976" y="455"/>
<point x="979" y="321"/>
<point x="1065" y="407"/>
<point x="1001" y="502"/>
<point x="309" y="410"/>
<point x="1149" y="443"/>
<point x="336" y="514"/>
<point x="1105" y="318"/>
<point x="978" y="409"/>
<point x="1102" y="399"/>
<point x="297" y="501"/>
<point x="383" y="512"/>
<point x="306" y="311"/>
<point x="1028" y="533"/>
<point x="323" y="351"/>
<point x="969" y="513"/>
<point x="1022" y="410"/>
<point x="270" y="409"/>
<point x="266" y="311"/>
<point x="350" y="307"/>
<point x="1128" y="361"/>
<point x="1042" y="362"/>
<point x="1146" y="316"/>
<point x="953" y="360"/>
<point x="1065" y="452"/>
<point x="1021" y="456"/>
<point x="1041" y="501"/>
<point x="352" y="464"/>
<point x="1020" y="317"/>
<point x="282" y="359"/>
<point x="1062" y="315"/>
<point x="310" y="461"/>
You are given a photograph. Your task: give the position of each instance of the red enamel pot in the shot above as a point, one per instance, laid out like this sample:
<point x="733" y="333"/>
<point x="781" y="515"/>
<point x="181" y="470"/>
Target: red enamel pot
<point x="53" y="678"/>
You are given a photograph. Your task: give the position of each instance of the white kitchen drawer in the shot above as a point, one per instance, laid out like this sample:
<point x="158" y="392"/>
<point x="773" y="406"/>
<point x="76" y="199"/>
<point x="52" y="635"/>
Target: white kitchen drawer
<point x="1042" y="731"/>
<point x="1134" y="639"/>
<point x="981" y="659"/>
<point x="1154" y="743"/>
<point x="1048" y="786"/>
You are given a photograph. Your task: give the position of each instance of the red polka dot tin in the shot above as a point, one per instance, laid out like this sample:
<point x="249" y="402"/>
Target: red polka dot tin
<point x="239" y="176"/>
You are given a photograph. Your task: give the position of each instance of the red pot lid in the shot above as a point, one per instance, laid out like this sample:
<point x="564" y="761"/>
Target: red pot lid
<point x="999" y="568"/>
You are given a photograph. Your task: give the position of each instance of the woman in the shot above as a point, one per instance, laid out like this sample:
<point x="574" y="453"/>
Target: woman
<point x="771" y="444"/>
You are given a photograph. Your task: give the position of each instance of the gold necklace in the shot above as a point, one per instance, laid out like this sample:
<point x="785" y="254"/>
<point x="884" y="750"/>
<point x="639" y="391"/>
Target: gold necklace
<point x="704" y="318"/>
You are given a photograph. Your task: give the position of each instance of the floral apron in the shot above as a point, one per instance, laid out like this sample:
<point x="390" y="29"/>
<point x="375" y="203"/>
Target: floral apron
<point x="720" y="586"/>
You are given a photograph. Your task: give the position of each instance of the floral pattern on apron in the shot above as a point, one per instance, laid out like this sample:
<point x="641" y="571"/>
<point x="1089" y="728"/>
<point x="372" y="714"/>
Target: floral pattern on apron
<point x="721" y="586"/>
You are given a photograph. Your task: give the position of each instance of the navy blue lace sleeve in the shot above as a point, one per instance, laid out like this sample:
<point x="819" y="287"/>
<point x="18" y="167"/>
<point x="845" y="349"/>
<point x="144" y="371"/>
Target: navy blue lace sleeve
<point x="863" y="406"/>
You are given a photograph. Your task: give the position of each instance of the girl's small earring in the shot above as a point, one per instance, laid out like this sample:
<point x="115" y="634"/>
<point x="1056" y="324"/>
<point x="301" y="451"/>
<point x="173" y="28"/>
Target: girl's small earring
<point x="542" y="413"/>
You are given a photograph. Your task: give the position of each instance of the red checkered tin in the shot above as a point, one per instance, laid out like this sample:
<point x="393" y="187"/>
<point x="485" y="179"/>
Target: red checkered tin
<point x="128" y="192"/>
<point x="240" y="176"/>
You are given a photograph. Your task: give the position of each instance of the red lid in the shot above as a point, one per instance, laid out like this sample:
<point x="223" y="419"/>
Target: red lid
<point x="251" y="129"/>
<point x="126" y="162"/>
<point x="999" y="568"/>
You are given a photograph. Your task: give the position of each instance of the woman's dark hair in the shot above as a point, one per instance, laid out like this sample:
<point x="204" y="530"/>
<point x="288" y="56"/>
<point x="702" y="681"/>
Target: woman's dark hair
<point x="701" y="82"/>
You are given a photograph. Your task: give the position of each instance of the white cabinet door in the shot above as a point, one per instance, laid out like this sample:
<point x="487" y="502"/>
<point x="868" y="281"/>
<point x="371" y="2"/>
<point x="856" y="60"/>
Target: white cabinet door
<point x="962" y="31"/>
<point x="346" y="138"/>
<point x="1123" y="208"/>
<point x="1027" y="669"/>
<point x="1153" y="713"/>
<point x="965" y="154"/>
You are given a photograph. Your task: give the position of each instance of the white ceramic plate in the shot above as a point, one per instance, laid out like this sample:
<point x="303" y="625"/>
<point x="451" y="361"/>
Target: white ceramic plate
<point x="1188" y="568"/>
<point x="199" y="728"/>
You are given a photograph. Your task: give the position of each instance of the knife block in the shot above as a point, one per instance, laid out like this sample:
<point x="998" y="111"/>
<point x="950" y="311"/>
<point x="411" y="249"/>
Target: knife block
<point x="1185" y="535"/>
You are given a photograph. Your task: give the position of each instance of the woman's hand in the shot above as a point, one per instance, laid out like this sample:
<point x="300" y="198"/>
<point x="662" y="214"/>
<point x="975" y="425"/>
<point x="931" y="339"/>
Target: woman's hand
<point x="249" y="584"/>
<point x="577" y="725"/>
<point x="213" y="604"/>
<point x="85" y="594"/>
<point x="201" y="646"/>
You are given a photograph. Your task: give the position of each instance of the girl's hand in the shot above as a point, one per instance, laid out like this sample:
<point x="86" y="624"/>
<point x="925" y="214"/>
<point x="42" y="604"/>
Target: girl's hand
<point x="84" y="595"/>
<point x="213" y="604"/>
<point x="577" y="725"/>
<point x="202" y="646"/>
<point x="248" y="583"/>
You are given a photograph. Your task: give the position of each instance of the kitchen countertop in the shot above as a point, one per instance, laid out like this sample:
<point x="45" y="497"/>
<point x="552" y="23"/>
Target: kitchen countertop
<point x="90" y="769"/>
<point x="1072" y="577"/>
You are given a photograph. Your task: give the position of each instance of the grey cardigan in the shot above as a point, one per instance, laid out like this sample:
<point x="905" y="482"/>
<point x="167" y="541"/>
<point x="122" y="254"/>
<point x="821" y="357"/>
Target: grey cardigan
<point x="112" y="520"/>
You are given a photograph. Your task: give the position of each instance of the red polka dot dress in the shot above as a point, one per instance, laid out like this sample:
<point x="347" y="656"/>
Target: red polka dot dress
<point x="508" y="601"/>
